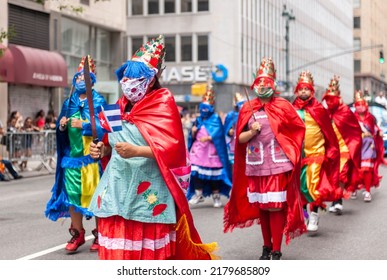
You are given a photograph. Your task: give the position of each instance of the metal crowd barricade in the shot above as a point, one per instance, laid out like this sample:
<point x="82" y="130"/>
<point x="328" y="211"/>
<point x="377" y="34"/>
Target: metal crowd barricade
<point x="38" y="147"/>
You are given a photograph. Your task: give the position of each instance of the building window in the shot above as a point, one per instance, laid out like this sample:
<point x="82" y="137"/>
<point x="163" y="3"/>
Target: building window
<point x="357" y="43"/>
<point x="203" y="5"/>
<point x="153" y="7"/>
<point x="186" y="48"/>
<point x="357" y="66"/>
<point x="169" y="6"/>
<point x="356" y="22"/>
<point x="79" y="39"/>
<point x="170" y="46"/>
<point x="136" y="44"/>
<point x="186" y="6"/>
<point x="137" y="8"/>
<point x="202" y="47"/>
<point x="357" y="83"/>
<point x="356" y="3"/>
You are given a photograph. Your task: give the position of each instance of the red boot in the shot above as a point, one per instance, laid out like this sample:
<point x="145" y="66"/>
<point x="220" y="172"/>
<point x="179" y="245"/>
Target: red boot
<point x="95" y="246"/>
<point x="78" y="239"/>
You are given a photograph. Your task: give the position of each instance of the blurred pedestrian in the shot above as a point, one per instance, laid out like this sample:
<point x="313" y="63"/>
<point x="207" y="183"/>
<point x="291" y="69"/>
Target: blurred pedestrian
<point x="211" y="170"/>
<point x="266" y="181"/>
<point x="142" y="210"/>
<point x="320" y="154"/>
<point x="40" y="119"/>
<point x="381" y="99"/>
<point x="49" y="123"/>
<point x="8" y="165"/>
<point x="372" y="150"/>
<point x="28" y="127"/>
<point x="14" y="135"/>
<point x="348" y="133"/>
<point x="77" y="174"/>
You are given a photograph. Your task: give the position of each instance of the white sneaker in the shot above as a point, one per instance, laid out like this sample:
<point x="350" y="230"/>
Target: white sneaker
<point x="313" y="221"/>
<point x="196" y="198"/>
<point x="217" y="202"/>
<point x="332" y="209"/>
<point x="367" y="197"/>
<point x="339" y="209"/>
<point x="354" y="195"/>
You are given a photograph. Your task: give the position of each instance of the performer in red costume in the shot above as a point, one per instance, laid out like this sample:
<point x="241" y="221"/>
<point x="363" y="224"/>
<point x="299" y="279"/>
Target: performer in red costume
<point x="140" y="200"/>
<point x="266" y="185"/>
<point x="372" y="152"/>
<point x="321" y="157"/>
<point x="348" y="134"/>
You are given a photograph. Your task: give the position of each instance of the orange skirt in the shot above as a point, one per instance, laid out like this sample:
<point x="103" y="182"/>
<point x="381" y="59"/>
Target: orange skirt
<point x="122" y="239"/>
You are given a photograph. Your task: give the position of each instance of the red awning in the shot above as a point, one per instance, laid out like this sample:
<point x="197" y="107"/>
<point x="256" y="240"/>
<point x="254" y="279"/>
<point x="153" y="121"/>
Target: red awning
<point x="24" y="65"/>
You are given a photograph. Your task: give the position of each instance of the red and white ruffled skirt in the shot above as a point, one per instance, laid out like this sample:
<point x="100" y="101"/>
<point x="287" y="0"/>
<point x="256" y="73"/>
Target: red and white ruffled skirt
<point x="268" y="191"/>
<point x="122" y="239"/>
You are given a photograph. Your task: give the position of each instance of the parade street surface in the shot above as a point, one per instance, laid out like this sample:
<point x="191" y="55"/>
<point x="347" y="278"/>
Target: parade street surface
<point x="349" y="245"/>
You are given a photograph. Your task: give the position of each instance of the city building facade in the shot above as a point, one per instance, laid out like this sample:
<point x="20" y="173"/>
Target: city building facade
<point x="48" y="41"/>
<point x="225" y="40"/>
<point x="369" y="36"/>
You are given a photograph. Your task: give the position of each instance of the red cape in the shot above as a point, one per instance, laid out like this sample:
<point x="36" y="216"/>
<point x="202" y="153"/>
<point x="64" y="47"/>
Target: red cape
<point x="157" y="118"/>
<point x="329" y="188"/>
<point x="370" y="121"/>
<point x="349" y="128"/>
<point x="289" y="130"/>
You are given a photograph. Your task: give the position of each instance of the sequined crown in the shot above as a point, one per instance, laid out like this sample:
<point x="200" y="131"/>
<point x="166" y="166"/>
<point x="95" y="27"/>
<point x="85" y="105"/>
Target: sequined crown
<point x="359" y="98"/>
<point x="209" y="96"/>
<point x="238" y="97"/>
<point x="91" y="64"/>
<point x="152" y="54"/>
<point x="334" y="87"/>
<point x="266" y="69"/>
<point x="306" y="78"/>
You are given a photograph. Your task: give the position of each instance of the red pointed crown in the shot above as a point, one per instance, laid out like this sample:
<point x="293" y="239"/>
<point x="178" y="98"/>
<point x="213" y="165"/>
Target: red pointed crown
<point x="91" y="64"/>
<point x="306" y="78"/>
<point x="238" y="97"/>
<point x="359" y="98"/>
<point x="152" y="54"/>
<point x="334" y="87"/>
<point x="266" y="69"/>
<point x="209" y="96"/>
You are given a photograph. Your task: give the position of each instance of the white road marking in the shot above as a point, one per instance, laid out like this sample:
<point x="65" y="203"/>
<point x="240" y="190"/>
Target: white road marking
<point x="48" y="251"/>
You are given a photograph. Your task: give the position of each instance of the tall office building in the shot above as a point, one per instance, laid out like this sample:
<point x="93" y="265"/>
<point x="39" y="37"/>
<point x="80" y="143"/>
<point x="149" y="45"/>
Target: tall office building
<point x="226" y="40"/>
<point x="369" y="36"/>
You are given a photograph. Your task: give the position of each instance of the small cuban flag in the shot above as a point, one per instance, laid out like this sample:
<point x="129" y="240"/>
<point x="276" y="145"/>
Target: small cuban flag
<point x="109" y="116"/>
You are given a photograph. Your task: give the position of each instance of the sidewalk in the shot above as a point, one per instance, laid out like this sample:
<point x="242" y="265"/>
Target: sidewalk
<point x="34" y="168"/>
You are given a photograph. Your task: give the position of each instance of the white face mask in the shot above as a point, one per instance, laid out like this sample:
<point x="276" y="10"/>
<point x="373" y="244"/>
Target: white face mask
<point x="134" y="89"/>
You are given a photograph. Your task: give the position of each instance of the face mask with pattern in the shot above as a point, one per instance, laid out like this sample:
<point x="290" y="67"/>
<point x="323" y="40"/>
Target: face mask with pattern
<point x="265" y="89"/>
<point x="134" y="89"/>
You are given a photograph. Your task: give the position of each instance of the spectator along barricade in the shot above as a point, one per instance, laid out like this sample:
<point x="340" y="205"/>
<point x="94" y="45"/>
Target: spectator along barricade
<point x="37" y="148"/>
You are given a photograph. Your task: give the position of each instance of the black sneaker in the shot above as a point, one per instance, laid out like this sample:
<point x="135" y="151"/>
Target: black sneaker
<point x="4" y="180"/>
<point x="276" y="255"/>
<point x="266" y="253"/>
<point x="18" y="177"/>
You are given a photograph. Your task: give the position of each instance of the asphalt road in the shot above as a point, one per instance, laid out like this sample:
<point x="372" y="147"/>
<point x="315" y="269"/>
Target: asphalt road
<point x="359" y="234"/>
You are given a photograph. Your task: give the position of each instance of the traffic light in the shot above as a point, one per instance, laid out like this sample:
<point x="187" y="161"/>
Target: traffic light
<point x="381" y="57"/>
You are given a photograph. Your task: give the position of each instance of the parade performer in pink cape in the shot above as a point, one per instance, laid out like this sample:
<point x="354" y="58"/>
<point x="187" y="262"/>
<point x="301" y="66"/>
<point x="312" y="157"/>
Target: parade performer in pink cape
<point x="140" y="201"/>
